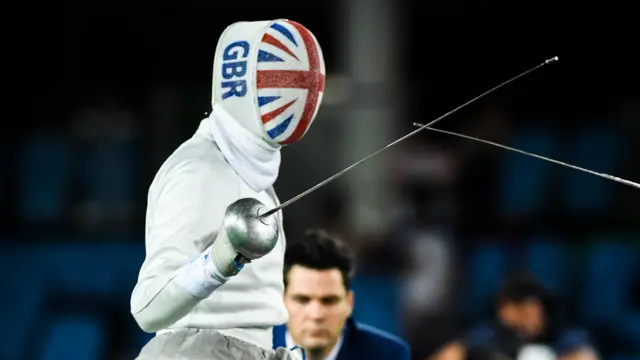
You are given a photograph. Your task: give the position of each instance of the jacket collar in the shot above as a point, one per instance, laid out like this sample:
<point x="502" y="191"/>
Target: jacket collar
<point x="350" y="327"/>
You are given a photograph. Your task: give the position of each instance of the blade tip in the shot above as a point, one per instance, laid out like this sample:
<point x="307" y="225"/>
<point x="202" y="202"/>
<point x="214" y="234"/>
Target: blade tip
<point x="553" y="59"/>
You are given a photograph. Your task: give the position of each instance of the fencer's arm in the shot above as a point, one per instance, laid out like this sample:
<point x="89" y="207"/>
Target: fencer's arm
<point x="185" y="214"/>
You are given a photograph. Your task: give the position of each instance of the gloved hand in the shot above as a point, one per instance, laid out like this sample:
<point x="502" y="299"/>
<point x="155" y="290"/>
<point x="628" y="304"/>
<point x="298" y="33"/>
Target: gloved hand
<point x="244" y="236"/>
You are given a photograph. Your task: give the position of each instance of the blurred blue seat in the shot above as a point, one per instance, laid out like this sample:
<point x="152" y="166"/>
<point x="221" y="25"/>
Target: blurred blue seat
<point x="596" y="148"/>
<point x="77" y="337"/>
<point x="525" y="180"/>
<point x="484" y="274"/>
<point x="44" y="173"/>
<point x="109" y="170"/>
<point x="111" y="278"/>
<point x="73" y="271"/>
<point x="22" y="282"/>
<point x="377" y="303"/>
<point x="610" y="271"/>
<point x="549" y="261"/>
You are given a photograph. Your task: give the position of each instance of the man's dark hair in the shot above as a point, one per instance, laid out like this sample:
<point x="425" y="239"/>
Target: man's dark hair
<point x="522" y="286"/>
<point x="320" y="251"/>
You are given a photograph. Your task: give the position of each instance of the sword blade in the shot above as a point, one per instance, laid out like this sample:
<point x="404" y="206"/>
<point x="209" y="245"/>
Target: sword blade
<point x="602" y="175"/>
<point x="337" y="175"/>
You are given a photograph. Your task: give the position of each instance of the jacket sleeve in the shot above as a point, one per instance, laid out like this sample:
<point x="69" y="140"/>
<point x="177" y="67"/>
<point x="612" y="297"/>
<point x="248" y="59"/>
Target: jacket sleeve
<point x="185" y="211"/>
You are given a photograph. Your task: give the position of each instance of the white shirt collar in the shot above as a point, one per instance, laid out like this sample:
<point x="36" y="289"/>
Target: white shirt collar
<point x="332" y="355"/>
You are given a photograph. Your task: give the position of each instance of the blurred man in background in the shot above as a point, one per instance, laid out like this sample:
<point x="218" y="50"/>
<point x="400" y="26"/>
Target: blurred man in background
<point x="528" y="326"/>
<point x="207" y="299"/>
<point x="318" y="272"/>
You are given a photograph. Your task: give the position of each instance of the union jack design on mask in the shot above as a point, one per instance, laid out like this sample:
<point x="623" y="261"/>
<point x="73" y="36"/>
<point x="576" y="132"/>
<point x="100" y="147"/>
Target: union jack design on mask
<point x="290" y="80"/>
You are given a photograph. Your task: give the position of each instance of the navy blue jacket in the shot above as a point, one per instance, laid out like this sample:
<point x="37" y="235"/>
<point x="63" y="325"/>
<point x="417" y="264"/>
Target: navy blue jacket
<point x="360" y="342"/>
<point x="495" y="336"/>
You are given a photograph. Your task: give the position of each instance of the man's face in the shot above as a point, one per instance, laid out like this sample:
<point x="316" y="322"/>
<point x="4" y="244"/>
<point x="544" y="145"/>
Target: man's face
<point x="526" y="317"/>
<point x="318" y="306"/>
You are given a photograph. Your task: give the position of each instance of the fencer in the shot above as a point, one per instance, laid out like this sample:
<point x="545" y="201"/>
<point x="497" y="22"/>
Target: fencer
<point x="211" y="286"/>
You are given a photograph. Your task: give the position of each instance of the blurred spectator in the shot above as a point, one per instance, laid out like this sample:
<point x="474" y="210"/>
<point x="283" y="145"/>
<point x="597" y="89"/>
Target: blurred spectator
<point x="527" y="315"/>
<point x="424" y="174"/>
<point x="318" y="272"/>
<point x="105" y="134"/>
<point x="427" y="280"/>
<point x="475" y="184"/>
<point x="105" y="117"/>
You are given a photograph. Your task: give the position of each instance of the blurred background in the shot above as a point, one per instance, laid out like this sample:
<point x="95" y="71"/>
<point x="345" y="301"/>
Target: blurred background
<point x="104" y="92"/>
